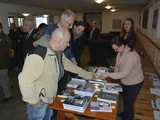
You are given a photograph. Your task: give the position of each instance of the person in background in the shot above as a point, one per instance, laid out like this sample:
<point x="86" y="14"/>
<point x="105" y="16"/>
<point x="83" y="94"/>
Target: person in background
<point x="40" y="31"/>
<point x="93" y="37"/>
<point x="28" y="29"/>
<point x="77" y="40"/>
<point x="94" y="33"/>
<point x="18" y="50"/>
<point x="129" y="70"/>
<point x="13" y="46"/>
<point x="128" y="33"/>
<point x="66" y="22"/>
<point x="39" y="78"/>
<point x="4" y="63"/>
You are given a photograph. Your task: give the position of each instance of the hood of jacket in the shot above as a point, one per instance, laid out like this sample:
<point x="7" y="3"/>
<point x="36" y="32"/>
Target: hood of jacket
<point x="43" y="41"/>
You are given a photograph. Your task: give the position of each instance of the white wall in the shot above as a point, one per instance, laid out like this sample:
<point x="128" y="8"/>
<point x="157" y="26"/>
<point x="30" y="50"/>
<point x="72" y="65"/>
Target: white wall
<point x="7" y="9"/>
<point x="120" y="14"/>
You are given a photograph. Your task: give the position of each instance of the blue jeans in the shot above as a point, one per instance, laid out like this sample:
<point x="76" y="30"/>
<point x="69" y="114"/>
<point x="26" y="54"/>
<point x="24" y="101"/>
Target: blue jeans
<point x="39" y="112"/>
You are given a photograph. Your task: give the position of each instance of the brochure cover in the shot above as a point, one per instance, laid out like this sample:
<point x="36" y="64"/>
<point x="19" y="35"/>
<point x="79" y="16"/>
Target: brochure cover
<point x="74" y="83"/>
<point x="156" y="104"/>
<point x="112" y="88"/>
<point x="87" y="90"/>
<point x="100" y="106"/>
<point x="107" y="97"/>
<point x="156" y="115"/>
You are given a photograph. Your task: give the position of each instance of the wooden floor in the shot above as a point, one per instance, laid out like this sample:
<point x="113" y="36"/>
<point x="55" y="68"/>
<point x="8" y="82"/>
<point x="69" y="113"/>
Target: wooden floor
<point x="143" y="108"/>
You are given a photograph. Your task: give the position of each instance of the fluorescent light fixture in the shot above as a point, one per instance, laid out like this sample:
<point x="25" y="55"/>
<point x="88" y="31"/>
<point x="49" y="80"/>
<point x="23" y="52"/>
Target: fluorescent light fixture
<point x="45" y="15"/>
<point x="108" y="7"/>
<point x="99" y="1"/>
<point x="113" y="10"/>
<point x="25" y="14"/>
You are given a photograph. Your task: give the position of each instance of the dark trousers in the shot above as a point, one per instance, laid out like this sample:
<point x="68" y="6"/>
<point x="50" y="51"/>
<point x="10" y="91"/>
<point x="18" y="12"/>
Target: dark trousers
<point x="129" y="96"/>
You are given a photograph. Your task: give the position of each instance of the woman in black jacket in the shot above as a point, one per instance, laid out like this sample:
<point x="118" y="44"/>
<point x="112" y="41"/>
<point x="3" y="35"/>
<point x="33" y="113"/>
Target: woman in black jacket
<point x="128" y="33"/>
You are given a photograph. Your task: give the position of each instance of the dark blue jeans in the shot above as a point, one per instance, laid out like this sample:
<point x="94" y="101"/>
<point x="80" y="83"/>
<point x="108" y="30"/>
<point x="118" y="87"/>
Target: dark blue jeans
<point x="39" y="112"/>
<point x="130" y="93"/>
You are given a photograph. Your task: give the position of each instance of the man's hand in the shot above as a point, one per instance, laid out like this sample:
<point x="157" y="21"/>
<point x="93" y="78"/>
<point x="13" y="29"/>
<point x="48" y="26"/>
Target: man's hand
<point x="37" y="104"/>
<point x="103" y="76"/>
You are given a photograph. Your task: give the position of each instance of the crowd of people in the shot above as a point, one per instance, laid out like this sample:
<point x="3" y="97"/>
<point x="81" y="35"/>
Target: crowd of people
<point x="46" y="55"/>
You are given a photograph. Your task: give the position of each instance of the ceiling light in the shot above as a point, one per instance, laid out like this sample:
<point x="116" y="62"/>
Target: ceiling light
<point x="113" y="10"/>
<point x="25" y="14"/>
<point x="45" y="16"/>
<point x="99" y="1"/>
<point x="108" y="7"/>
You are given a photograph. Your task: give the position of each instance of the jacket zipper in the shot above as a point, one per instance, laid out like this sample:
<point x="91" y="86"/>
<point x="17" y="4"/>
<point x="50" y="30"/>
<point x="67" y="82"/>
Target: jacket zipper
<point x="56" y="64"/>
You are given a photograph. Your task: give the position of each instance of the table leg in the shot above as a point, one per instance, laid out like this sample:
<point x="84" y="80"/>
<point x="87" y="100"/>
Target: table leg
<point x="60" y="115"/>
<point x="71" y="116"/>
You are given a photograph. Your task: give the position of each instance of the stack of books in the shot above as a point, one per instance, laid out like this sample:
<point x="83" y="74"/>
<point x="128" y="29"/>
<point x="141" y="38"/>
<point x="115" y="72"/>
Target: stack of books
<point x="76" y="103"/>
<point x="107" y="97"/>
<point x="79" y="92"/>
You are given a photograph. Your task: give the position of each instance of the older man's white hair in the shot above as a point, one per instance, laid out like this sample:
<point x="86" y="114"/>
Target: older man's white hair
<point x="60" y="33"/>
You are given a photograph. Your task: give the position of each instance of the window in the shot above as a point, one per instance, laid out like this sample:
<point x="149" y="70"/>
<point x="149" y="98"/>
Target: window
<point x="10" y="20"/>
<point x="155" y="19"/>
<point x="116" y="24"/>
<point x="145" y="19"/>
<point x="20" y="22"/>
<point x="41" y="19"/>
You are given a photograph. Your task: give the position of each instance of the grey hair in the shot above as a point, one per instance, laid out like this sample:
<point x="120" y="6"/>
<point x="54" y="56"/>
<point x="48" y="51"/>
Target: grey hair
<point x="31" y="19"/>
<point x="67" y="14"/>
<point x="58" y="33"/>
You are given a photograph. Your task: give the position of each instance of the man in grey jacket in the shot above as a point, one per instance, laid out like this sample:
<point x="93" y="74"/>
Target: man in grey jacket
<point x="39" y="78"/>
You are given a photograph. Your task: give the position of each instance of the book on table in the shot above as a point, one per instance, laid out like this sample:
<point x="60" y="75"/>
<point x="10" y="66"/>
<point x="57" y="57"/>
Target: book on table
<point x="75" y="83"/>
<point x="107" y="97"/>
<point x="112" y="88"/>
<point x="156" y="115"/>
<point x="98" y="84"/>
<point x="87" y="90"/>
<point x="155" y="91"/>
<point x="76" y="103"/>
<point x="100" y="106"/>
<point x="156" y="104"/>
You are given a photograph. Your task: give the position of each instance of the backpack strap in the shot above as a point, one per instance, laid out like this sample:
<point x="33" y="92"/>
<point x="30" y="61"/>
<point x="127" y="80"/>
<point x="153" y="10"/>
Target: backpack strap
<point x="39" y="50"/>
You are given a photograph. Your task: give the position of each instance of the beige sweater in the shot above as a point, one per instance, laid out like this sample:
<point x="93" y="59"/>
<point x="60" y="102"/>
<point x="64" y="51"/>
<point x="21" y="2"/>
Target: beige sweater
<point x="128" y="68"/>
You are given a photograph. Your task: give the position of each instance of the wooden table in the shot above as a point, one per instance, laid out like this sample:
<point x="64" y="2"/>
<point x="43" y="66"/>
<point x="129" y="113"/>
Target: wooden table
<point x="57" y="105"/>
